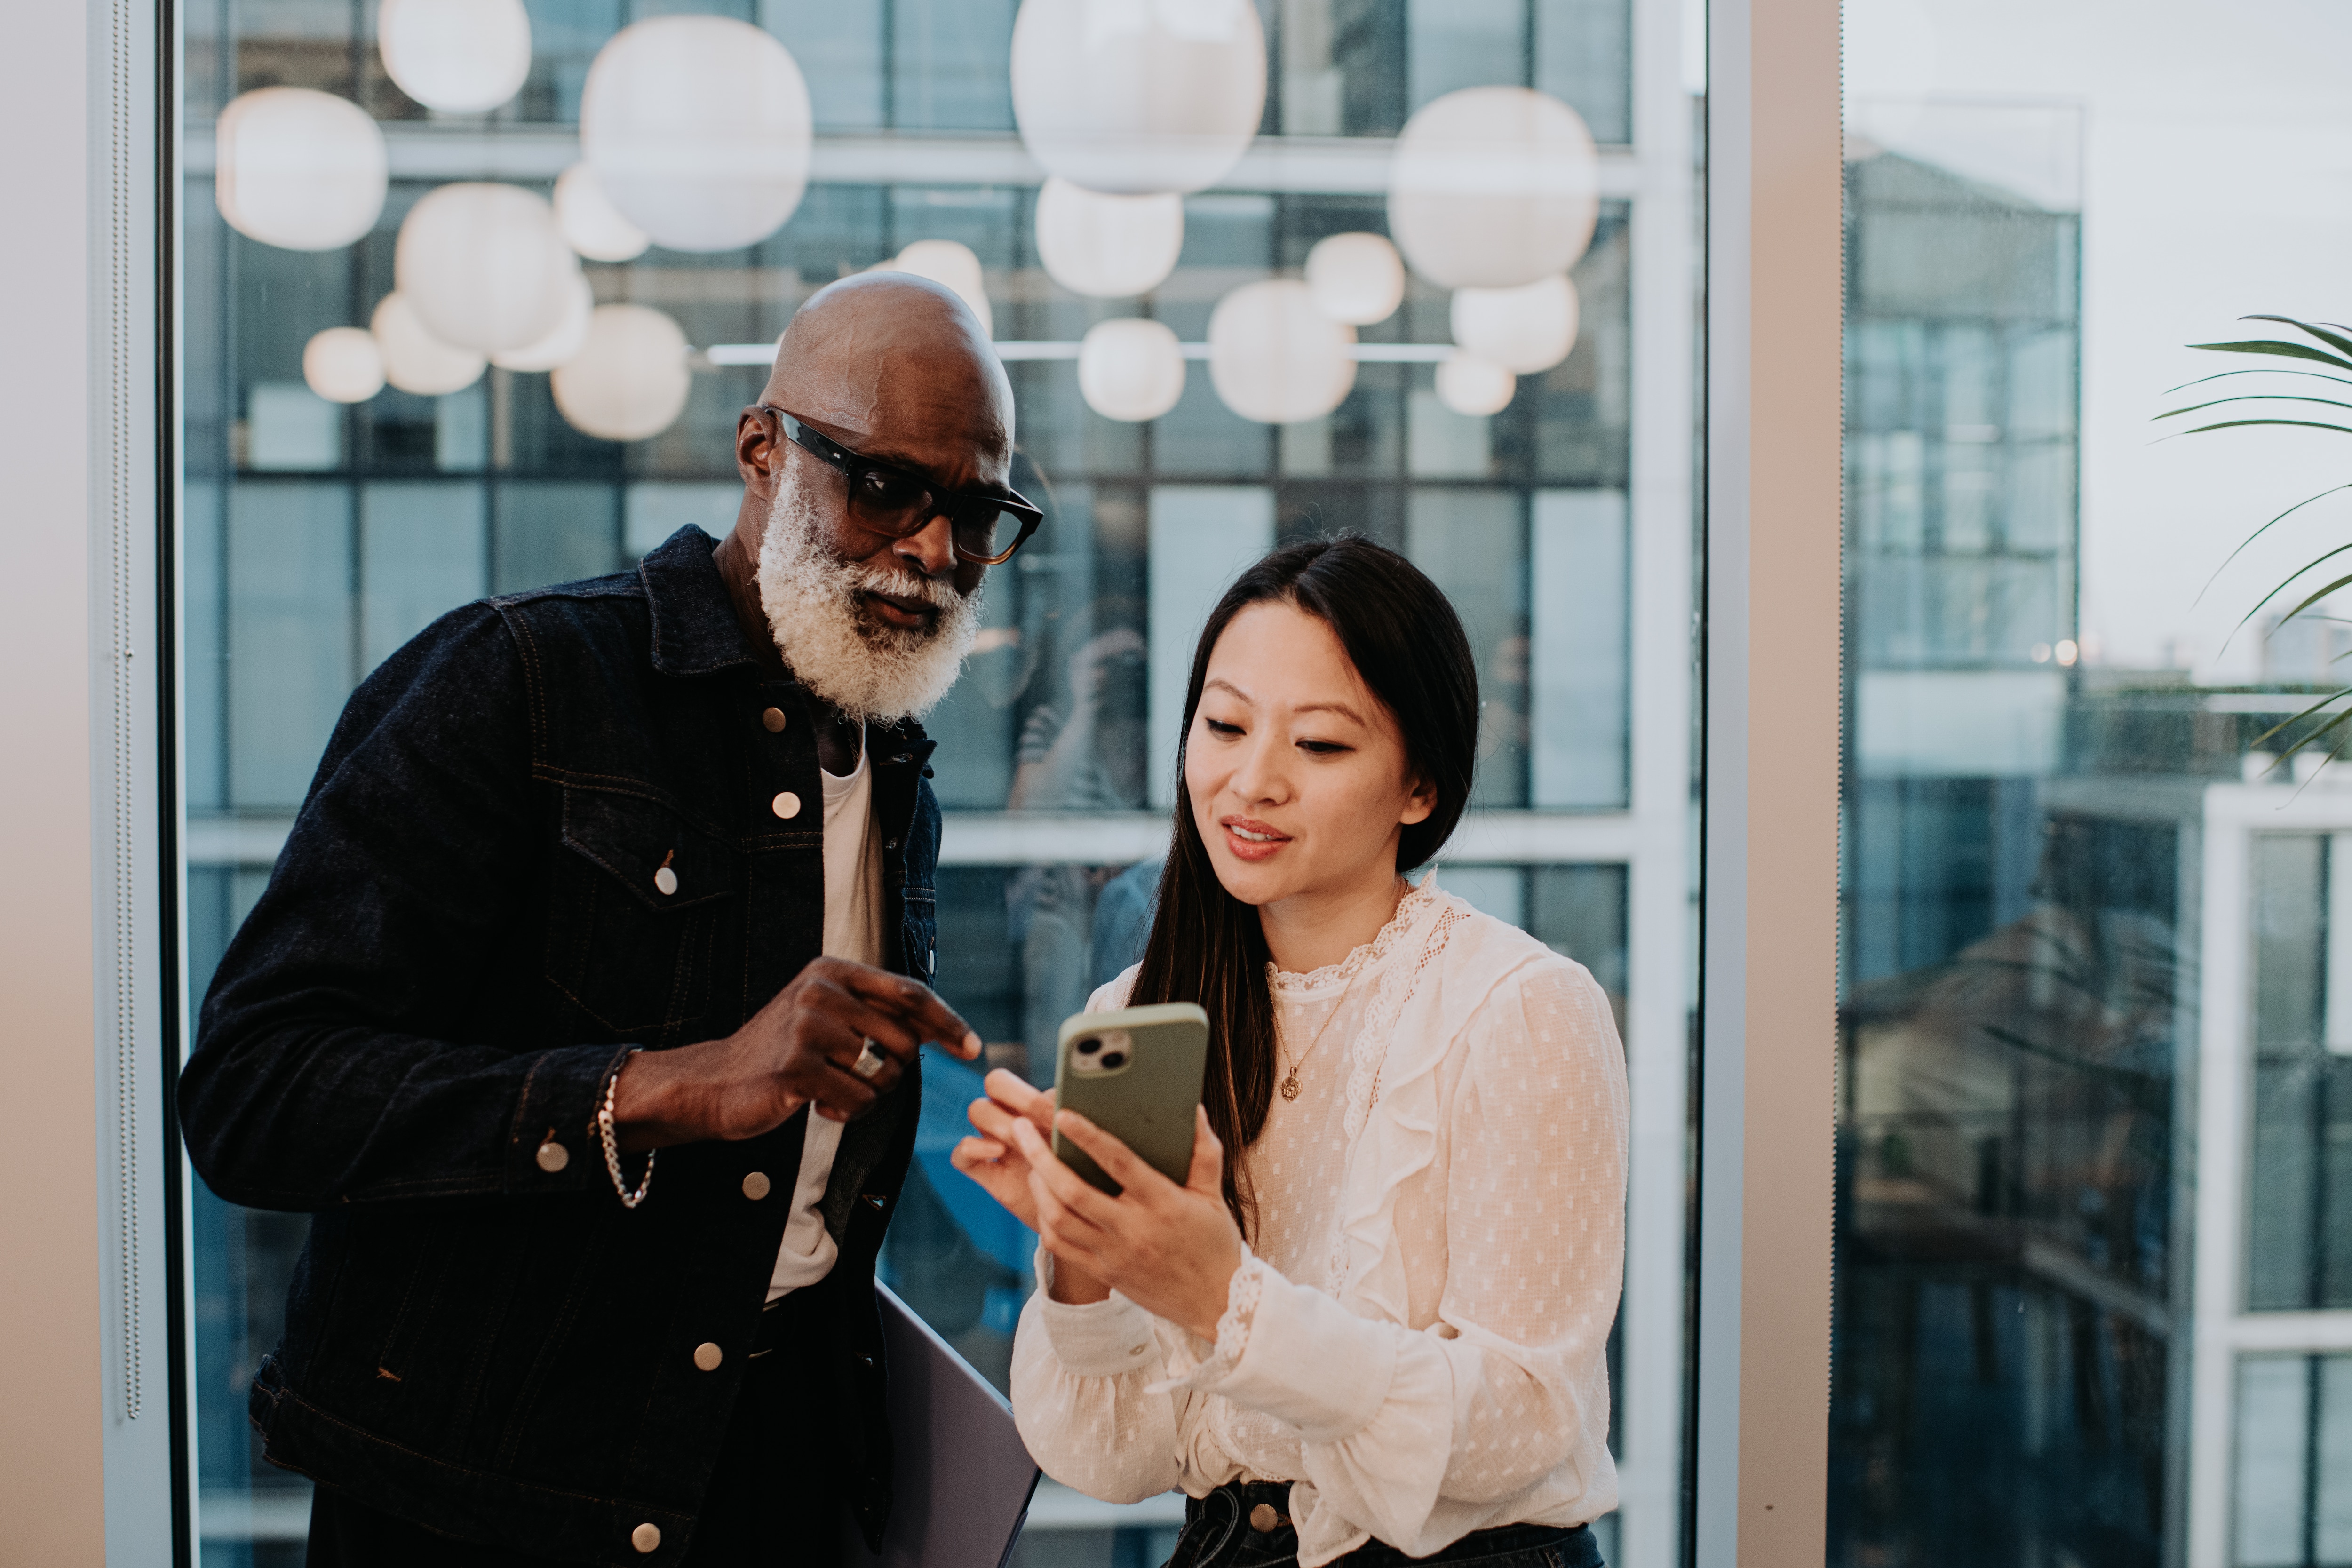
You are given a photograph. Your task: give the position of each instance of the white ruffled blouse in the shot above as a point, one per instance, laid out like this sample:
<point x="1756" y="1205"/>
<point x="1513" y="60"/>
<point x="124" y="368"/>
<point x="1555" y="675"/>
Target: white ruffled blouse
<point x="1418" y="1340"/>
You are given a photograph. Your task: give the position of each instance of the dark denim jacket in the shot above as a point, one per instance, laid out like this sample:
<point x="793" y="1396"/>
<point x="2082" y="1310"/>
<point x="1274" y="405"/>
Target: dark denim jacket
<point x="461" y="937"/>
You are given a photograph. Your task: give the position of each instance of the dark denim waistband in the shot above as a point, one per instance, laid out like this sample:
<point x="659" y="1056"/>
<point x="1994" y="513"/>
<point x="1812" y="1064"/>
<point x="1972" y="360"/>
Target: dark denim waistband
<point x="1223" y="1530"/>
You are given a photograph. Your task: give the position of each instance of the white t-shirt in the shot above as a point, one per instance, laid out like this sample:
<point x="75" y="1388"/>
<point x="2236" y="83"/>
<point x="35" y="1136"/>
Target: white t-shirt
<point x="853" y="930"/>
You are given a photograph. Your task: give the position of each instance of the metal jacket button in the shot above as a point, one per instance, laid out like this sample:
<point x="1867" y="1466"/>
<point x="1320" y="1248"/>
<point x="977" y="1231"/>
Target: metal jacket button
<point x="774" y="720"/>
<point x="755" y="1185"/>
<point x="786" y="805"/>
<point x="553" y="1156"/>
<point x="647" y="1537"/>
<point x="708" y="1356"/>
<point x="1263" y="1518"/>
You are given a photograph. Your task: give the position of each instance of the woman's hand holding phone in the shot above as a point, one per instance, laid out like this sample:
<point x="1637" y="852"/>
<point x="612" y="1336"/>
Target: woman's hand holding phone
<point x="989" y="1158"/>
<point x="994" y="1159"/>
<point x="1171" y="1250"/>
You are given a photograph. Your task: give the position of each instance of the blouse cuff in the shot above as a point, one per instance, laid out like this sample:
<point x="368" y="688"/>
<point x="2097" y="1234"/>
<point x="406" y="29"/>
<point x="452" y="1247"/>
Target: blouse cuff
<point x="1187" y="1367"/>
<point x="1303" y="1358"/>
<point x="1096" y="1339"/>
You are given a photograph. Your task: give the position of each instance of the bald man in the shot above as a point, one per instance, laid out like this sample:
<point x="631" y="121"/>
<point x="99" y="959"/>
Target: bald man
<point x="583" y="1006"/>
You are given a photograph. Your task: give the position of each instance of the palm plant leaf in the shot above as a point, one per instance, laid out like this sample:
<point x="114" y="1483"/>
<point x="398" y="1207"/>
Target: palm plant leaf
<point x="2283" y="587"/>
<point x="2239" y="424"/>
<point x="2258" y="369"/>
<point x="2271" y="346"/>
<point x="2339" y="343"/>
<point x="2259" y="532"/>
<point x="2255" y="397"/>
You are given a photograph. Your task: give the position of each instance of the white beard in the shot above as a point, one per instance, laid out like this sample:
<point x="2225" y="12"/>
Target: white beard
<point x="835" y="647"/>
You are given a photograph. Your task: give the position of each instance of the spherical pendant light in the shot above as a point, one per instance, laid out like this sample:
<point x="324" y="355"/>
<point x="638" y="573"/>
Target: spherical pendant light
<point x="1475" y="386"/>
<point x="558" y="347"/>
<point x="1130" y="369"/>
<point x="1524" y="330"/>
<point x="1492" y="187"/>
<point x="1107" y="247"/>
<point x="952" y="266"/>
<point x="413" y="359"/>
<point x="1356" y="278"/>
<point x="460" y="56"/>
<point x="484" y="265"/>
<point x="629" y="380"/>
<point x="698" y="130"/>
<point x="593" y="224"/>
<point x="1275" y="357"/>
<point x="342" y="365"/>
<point x="298" y="169"/>
<point x="1138" y="96"/>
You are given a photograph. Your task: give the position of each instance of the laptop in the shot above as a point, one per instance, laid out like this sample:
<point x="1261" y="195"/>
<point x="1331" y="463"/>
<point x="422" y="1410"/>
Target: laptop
<point x="962" y="1479"/>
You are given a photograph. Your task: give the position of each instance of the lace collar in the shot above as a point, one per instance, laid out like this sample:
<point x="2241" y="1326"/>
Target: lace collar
<point x="1284" y="982"/>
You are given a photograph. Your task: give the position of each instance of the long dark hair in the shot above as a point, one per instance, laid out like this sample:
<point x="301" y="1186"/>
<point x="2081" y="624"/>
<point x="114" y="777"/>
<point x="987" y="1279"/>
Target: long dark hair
<point x="1207" y="946"/>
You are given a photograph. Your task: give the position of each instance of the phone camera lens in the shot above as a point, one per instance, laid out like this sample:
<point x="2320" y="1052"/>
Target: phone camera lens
<point x="1089" y="1046"/>
<point x="1114" y="1059"/>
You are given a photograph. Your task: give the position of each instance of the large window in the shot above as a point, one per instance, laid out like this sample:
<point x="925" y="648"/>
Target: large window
<point x="318" y="536"/>
<point x="2095" y="1213"/>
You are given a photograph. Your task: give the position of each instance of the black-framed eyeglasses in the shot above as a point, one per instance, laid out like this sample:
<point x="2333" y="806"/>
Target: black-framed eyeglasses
<point x="986" y="526"/>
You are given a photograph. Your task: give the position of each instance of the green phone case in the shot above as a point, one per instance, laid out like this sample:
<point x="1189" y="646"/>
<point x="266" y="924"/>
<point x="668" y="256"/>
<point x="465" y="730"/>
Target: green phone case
<point x="1147" y="1102"/>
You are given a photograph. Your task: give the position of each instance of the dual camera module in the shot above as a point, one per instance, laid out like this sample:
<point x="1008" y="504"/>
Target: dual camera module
<point x="1105" y="1052"/>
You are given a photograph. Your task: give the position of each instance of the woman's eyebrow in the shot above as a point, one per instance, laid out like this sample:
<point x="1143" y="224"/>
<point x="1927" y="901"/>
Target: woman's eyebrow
<point x="1222" y="684"/>
<point x="1341" y="709"/>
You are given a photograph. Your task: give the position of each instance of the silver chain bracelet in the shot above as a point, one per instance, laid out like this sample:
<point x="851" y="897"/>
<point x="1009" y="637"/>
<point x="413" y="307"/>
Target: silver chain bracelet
<point x="629" y="1200"/>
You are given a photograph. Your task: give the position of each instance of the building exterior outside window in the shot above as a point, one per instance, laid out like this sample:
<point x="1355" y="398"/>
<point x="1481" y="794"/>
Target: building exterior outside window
<point x="2092" y="1227"/>
<point x="318" y="537"/>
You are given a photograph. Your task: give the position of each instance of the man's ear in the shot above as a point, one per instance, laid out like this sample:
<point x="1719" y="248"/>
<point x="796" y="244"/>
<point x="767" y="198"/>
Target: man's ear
<point x="1418" y="804"/>
<point x="758" y="456"/>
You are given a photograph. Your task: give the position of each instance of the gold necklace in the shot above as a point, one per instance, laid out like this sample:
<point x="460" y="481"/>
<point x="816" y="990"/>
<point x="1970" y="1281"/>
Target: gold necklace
<point x="1290" y="1083"/>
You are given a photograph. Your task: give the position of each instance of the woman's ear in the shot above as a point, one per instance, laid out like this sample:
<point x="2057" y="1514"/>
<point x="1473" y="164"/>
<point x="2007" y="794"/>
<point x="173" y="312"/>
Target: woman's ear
<point x="1418" y="804"/>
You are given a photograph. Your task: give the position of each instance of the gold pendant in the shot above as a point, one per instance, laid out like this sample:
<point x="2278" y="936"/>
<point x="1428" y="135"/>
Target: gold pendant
<point x="1290" y="1086"/>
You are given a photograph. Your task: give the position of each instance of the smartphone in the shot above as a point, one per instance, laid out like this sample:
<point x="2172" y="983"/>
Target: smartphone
<point x="1137" y="1075"/>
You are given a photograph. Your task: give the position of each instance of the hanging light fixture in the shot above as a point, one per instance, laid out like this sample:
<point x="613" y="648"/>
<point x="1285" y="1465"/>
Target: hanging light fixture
<point x="698" y="130"/>
<point x="461" y="57"/>
<point x="298" y="169"/>
<point x="629" y="380"/>
<point x="954" y="267"/>
<point x="591" y="222"/>
<point x="1525" y="329"/>
<point x="1130" y="369"/>
<point x="1356" y="278"/>
<point x="1275" y="357"/>
<point x="413" y="359"/>
<point x="1492" y="187"/>
<point x="1107" y="247"/>
<point x="1132" y="97"/>
<point x="341" y="365"/>
<point x="484" y="265"/>
<point x="570" y="334"/>
<point x="1475" y="386"/>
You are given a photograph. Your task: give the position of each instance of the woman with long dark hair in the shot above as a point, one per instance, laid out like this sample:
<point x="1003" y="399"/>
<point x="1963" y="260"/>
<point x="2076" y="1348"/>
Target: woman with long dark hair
<point x="1376" y="1328"/>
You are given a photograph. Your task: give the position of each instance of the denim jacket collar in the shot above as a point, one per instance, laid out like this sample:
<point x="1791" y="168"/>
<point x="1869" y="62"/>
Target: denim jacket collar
<point x="695" y="628"/>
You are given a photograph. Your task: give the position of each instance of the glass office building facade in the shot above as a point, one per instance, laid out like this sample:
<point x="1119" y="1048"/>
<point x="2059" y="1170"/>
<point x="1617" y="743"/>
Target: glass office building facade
<point x="318" y="537"/>
<point x="2089" y="1287"/>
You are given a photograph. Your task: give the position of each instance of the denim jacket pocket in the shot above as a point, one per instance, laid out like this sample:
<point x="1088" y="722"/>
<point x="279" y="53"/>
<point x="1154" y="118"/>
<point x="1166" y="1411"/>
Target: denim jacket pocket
<point x="920" y="935"/>
<point x="634" y="901"/>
